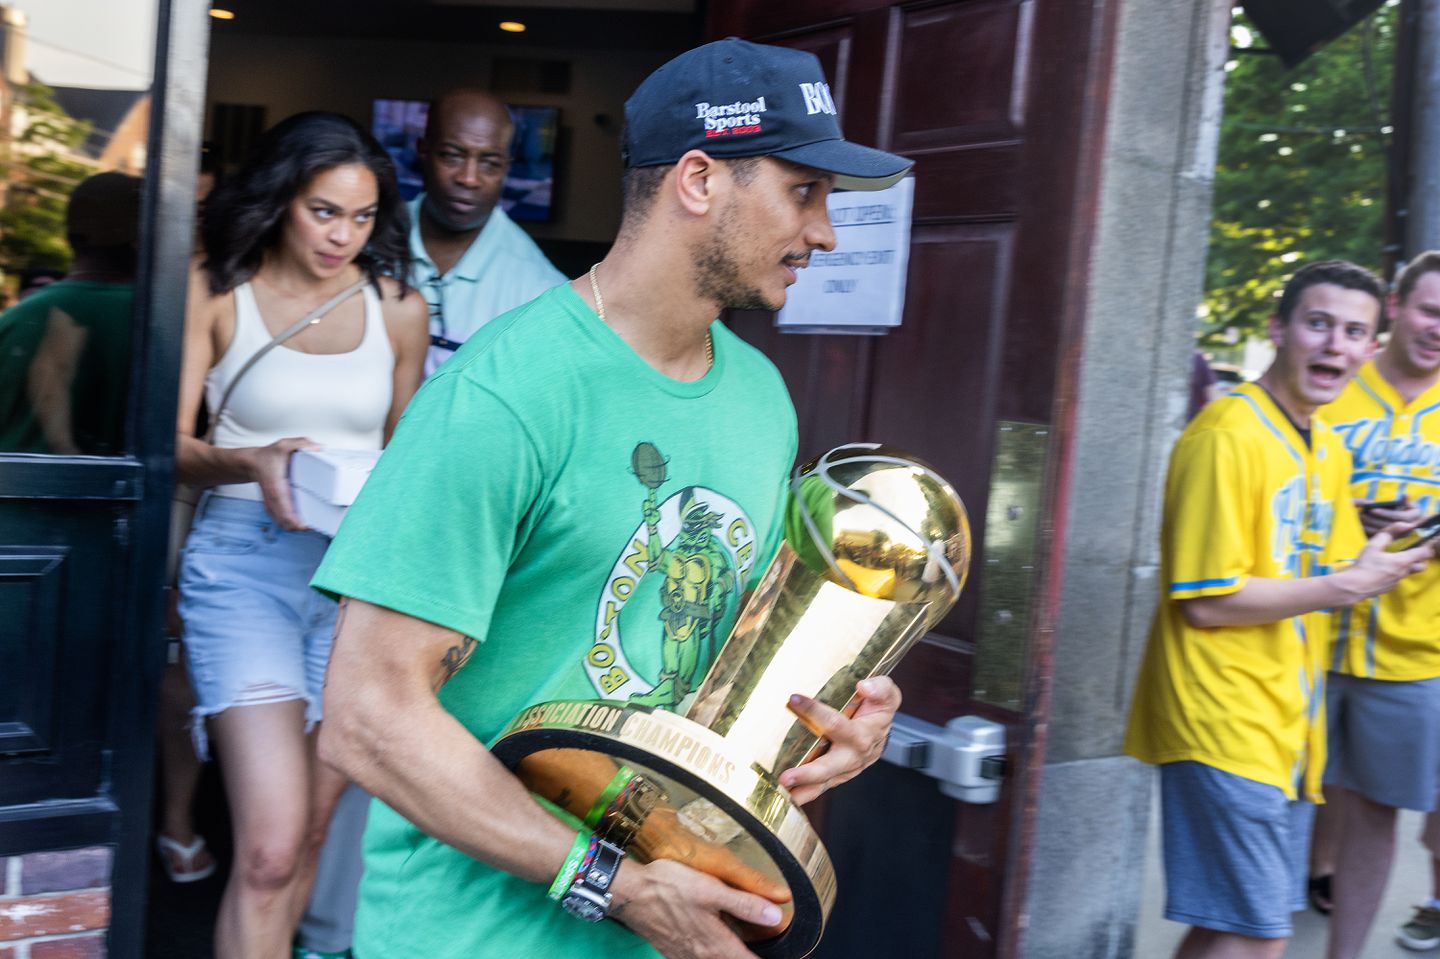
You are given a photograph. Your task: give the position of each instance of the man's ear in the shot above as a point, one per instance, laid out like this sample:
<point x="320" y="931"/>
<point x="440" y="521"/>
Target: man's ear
<point x="696" y="182"/>
<point x="422" y="150"/>
<point x="1276" y="329"/>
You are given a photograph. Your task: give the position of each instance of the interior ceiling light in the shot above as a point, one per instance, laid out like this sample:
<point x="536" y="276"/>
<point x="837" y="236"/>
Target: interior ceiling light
<point x="220" y="14"/>
<point x="512" y="26"/>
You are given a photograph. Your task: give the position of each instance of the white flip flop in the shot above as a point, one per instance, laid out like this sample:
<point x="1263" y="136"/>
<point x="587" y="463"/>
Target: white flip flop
<point x="186" y="854"/>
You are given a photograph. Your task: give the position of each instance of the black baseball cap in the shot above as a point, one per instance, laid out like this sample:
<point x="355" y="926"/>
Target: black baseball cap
<point x="733" y="98"/>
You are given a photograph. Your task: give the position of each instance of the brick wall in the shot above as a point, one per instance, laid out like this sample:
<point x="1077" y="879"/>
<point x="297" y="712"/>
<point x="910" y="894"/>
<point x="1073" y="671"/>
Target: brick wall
<point x="55" y="905"/>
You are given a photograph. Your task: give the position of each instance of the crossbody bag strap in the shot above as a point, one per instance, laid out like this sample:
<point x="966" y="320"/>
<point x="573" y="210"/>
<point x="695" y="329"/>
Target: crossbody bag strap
<point x="312" y="317"/>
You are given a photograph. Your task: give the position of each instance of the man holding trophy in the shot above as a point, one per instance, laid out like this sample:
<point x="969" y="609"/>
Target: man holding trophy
<point x="571" y="510"/>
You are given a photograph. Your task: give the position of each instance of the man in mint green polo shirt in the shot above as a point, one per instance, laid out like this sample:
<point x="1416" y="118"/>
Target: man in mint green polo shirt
<point x="504" y="552"/>
<point x="470" y="261"/>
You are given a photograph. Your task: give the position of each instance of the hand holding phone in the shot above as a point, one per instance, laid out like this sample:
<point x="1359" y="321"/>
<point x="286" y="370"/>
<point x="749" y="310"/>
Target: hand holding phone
<point x="1379" y="514"/>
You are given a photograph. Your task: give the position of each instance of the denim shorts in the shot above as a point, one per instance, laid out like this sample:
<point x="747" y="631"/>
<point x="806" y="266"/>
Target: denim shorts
<point x="255" y="632"/>
<point x="1235" y="851"/>
<point x="1385" y="739"/>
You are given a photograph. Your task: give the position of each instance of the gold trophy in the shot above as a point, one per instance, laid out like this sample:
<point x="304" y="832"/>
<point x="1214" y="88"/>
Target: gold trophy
<point x="876" y="550"/>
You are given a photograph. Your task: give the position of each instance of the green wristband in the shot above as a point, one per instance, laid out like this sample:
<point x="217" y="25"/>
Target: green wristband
<point x="567" y="872"/>
<point x="622" y="778"/>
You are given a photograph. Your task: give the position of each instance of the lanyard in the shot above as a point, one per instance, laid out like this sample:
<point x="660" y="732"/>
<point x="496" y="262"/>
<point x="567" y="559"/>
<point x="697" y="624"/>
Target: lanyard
<point x="438" y="337"/>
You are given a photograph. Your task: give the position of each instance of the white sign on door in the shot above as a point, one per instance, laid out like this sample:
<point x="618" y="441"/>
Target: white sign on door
<point x="859" y="287"/>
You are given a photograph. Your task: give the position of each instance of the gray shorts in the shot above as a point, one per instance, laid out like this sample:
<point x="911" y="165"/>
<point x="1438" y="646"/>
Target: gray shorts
<point x="1385" y="739"/>
<point x="1235" y="851"/>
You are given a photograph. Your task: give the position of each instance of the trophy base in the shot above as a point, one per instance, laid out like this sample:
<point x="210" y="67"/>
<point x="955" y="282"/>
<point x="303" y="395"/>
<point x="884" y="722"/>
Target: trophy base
<point x="722" y="799"/>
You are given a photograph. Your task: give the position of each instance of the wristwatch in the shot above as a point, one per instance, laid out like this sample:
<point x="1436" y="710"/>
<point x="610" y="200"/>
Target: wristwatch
<point x="589" y="895"/>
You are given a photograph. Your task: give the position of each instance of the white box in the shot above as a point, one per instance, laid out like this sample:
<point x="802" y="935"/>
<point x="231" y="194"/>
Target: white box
<point x="327" y="481"/>
<point x="317" y="514"/>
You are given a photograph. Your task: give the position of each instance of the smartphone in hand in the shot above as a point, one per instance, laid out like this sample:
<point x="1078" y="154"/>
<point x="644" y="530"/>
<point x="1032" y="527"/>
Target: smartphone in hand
<point x="1383" y="504"/>
<point x="1428" y="529"/>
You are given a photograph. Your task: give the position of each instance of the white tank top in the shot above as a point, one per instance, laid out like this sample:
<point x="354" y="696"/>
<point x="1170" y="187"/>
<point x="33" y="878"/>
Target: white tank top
<point x="339" y="400"/>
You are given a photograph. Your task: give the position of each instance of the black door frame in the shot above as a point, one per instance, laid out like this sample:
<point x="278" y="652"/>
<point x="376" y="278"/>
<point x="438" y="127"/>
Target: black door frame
<point x="182" y="45"/>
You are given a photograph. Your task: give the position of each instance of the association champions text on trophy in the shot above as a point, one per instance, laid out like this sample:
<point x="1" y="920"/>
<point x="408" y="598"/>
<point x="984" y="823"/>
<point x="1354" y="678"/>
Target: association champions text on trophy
<point x="876" y="549"/>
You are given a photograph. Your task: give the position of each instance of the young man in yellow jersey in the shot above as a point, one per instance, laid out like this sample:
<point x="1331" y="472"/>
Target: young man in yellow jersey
<point x="1256" y="540"/>
<point x="1384" y="687"/>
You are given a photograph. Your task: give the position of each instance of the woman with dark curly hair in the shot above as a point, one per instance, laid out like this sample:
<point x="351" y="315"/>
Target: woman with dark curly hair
<point x="315" y="211"/>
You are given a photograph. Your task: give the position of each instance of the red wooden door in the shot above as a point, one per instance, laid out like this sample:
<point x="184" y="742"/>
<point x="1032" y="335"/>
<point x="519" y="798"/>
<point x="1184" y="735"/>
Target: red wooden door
<point x="997" y="102"/>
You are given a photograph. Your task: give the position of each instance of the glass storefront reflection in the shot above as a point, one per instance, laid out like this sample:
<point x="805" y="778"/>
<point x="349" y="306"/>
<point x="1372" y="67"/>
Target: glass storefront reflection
<point x="74" y="121"/>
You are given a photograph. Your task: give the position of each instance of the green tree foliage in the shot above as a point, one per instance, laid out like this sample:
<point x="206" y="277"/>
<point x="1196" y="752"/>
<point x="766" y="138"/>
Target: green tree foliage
<point x="1302" y="168"/>
<point x="41" y="170"/>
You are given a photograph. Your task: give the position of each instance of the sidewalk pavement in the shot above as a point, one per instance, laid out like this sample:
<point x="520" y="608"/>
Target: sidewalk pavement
<point x="1157" y="937"/>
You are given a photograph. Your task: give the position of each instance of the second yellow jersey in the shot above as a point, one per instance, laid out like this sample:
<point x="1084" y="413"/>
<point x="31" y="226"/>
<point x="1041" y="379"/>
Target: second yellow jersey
<point x="1396" y="451"/>
<point x="1244" y="496"/>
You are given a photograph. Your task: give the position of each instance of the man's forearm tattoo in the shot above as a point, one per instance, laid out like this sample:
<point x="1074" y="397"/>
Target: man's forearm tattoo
<point x="340" y="616"/>
<point x="456" y="656"/>
<point x="339" y="624"/>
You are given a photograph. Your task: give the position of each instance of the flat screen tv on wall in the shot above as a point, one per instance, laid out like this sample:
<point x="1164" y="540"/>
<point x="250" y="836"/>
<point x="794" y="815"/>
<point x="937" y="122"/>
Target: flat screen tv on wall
<point x="528" y="193"/>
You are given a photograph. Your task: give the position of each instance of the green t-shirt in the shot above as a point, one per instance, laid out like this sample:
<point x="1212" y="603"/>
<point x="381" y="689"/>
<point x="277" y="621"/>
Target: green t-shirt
<point x="594" y="524"/>
<point x="98" y="318"/>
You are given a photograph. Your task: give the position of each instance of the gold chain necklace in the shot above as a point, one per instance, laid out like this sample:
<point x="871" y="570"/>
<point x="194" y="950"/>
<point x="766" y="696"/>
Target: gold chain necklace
<point x="600" y="311"/>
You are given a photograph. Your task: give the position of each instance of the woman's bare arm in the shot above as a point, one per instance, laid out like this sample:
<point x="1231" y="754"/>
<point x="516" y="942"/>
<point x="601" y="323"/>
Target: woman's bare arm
<point x="407" y="322"/>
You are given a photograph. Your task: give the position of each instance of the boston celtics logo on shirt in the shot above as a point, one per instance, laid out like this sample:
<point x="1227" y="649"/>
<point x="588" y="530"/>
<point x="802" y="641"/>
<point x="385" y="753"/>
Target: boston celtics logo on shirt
<point x="672" y="588"/>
